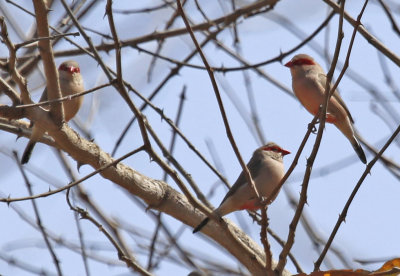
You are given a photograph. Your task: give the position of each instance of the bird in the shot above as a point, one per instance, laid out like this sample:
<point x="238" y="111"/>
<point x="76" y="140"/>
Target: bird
<point x="308" y="83"/>
<point x="266" y="170"/>
<point x="71" y="82"/>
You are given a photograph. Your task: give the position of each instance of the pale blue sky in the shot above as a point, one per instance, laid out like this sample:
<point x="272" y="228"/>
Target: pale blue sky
<point x="371" y="228"/>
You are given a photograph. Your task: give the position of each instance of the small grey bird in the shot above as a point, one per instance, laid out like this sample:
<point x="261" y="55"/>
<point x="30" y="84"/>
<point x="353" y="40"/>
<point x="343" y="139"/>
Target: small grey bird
<point x="71" y="82"/>
<point x="266" y="169"/>
<point x="308" y="81"/>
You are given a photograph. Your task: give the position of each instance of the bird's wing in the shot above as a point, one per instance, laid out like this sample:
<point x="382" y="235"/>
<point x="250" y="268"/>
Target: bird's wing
<point x="43" y="98"/>
<point x="336" y="96"/>
<point x="254" y="168"/>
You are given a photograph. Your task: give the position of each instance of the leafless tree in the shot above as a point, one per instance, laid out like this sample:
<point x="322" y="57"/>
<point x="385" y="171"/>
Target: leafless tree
<point x="162" y="110"/>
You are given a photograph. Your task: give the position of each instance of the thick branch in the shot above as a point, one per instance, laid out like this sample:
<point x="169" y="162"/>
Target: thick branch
<point x="157" y="194"/>
<point x="46" y="53"/>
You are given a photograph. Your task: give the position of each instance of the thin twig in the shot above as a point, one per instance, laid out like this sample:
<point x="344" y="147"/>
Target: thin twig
<point x="148" y="102"/>
<point x="369" y="37"/>
<point x="160" y="44"/>
<point x="141" y="118"/>
<point x="265" y="242"/>
<point x="12" y="61"/>
<point x="132" y="263"/>
<point x="310" y="161"/>
<point x="220" y="103"/>
<point x="144" y="10"/>
<point x="66" y="98"/>
<point x="38" y="218"/>
<point x="343" y="214"/>
<point x="395" y="28"/>
<point x="150" y="264"/>
<point x="102" y="168"/>
<point x="226" y="20"/>
<point x="318" y="263"/>
<point x="22" y="264"/>
<point x="25" y="43"/>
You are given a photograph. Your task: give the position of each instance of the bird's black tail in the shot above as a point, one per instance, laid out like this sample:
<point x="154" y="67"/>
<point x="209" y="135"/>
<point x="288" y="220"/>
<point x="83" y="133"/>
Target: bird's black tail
<point x="27" y="152"/>
<point x="358" y="149"/>
<point x="201" y="225"/>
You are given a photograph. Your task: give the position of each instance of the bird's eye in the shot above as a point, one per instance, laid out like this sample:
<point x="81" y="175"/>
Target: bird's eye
<point x="274" y="149"/>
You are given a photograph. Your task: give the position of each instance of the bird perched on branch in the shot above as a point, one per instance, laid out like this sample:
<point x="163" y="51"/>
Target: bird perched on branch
<point x="309" y="81"/>
<point x="71" y="82"/>
<point x="266" y="169"/>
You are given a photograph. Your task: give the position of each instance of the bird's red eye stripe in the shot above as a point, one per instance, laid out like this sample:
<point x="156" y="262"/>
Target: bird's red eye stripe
<point x="303" y="61"/>
<point x="276" y="149"/>
<point x="273" y="148"/>
<point x="300" y="61"/>
<point x="70" y="69"/>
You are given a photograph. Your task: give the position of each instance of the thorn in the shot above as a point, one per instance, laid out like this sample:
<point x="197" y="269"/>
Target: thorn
<point x="280" y="58"/>
<point x="162" y="114"/>
<point x="183" y="94"/>
<point x="223" y="69"/>
<point x="78" y="166"/>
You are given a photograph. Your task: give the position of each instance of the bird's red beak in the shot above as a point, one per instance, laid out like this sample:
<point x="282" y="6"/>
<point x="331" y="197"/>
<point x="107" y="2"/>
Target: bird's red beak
<point x="285" y="152"/>
<point x="289" y="64"/>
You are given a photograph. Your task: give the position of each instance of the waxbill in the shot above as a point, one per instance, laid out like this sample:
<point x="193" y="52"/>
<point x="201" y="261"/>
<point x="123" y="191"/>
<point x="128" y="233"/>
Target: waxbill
<point x="71" y="82"/>
<point x="308" y="82"/>
<point x="266" y="169"/>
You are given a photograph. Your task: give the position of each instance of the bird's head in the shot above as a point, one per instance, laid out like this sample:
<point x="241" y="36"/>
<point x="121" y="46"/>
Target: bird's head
<point x="69" y="69"/>
<point x="274" y="151"/>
